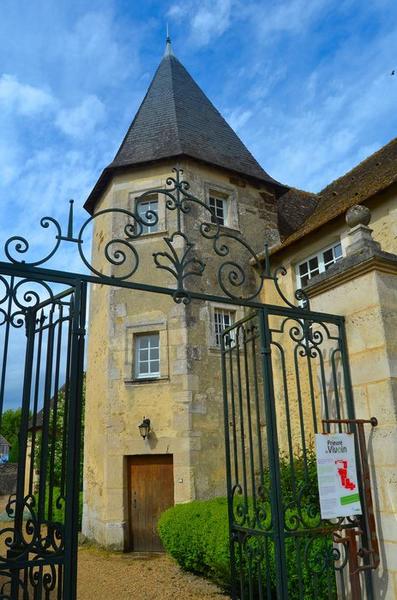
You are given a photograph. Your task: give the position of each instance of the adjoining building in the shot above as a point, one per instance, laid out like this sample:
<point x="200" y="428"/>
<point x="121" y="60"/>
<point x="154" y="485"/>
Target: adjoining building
<point x="4" y="450"/>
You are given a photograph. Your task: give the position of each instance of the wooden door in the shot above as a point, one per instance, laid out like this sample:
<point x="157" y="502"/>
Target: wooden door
<point x="151" y="487"/>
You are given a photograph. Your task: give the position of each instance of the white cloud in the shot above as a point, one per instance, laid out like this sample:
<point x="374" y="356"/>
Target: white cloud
<point x="286" y="15"/>
<point x="238" y="117"/>
<point x="22" y="98"/>
<point x="81" y="120"/>
<point x="208" y="19"/>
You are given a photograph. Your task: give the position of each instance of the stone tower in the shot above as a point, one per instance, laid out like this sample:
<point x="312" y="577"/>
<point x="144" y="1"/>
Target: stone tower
<point x="147" y="355"/>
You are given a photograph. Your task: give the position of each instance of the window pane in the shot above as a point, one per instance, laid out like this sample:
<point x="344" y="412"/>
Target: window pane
<point x="143" y="341"/>
<point x="313" y="263"/>
<point x="304" y="280"/>
<point x="143" y="367"/>
<point x="143" y="354"/>
<point x="154" y="366"/>
<point x="338" y="251"/>
<point x="303" y="268"/>
<point x="154" y="354"/>
<point x="328" y="256"/>
<point x="154" y="340"/>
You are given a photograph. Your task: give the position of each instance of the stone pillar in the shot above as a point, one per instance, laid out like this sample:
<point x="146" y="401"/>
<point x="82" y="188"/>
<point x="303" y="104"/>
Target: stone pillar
<point x="363" y="288"/>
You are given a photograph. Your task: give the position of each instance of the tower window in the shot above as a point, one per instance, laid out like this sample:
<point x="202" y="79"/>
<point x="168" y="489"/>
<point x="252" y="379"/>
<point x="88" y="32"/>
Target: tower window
<point x="151" y="217"/>
<point x="147" y="356"/>
<point x="222" y="319"/>
<point x="317" y="264"/>
<point x="218" y="206"/>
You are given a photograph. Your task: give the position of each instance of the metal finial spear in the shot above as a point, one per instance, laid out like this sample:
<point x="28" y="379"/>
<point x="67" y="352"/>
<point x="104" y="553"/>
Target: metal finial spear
<point x="168" y="47"/>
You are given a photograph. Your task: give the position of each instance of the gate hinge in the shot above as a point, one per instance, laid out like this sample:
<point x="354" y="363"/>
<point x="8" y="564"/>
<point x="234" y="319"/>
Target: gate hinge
<point x="81" y="331"/>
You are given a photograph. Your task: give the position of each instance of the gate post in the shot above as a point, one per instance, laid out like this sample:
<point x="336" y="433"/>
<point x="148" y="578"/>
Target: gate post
<point x="272" y="440"/>
<point x="351" y="415"/>
<point x="73" y="442"/>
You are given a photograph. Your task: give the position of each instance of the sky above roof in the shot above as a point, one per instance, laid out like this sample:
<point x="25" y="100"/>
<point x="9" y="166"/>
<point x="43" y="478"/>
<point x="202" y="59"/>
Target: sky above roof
<point x="306" y="84"/>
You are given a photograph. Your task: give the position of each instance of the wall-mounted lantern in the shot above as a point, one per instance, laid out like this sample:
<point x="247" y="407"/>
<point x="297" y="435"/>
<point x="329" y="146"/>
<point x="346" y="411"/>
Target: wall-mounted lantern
<point x="144" y="428"/>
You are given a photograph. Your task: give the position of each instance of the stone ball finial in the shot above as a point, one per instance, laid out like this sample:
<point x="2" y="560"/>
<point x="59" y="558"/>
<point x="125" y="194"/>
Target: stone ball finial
<point x="358" y="215"/>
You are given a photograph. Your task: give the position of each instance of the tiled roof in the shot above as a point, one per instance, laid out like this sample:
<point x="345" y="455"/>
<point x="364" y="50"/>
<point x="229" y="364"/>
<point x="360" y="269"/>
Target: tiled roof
<point x="293" y="209"/>
<point x="177" y="119"/>
<point x="371" y="176"/>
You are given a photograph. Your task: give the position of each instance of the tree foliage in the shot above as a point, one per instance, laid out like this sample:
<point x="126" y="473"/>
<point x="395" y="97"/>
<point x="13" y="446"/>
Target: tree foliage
<point x="10" y="425"/>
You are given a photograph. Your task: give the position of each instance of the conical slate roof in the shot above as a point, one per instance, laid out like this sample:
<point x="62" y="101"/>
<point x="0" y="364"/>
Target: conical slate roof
<point x="177" y="119"/>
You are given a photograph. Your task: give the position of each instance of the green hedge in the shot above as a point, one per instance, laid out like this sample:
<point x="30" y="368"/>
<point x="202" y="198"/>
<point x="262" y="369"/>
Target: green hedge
<point x="196" y="535"/>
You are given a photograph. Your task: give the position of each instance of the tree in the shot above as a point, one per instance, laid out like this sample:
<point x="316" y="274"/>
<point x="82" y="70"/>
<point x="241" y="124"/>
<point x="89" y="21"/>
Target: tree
<point x="56" y="438"/>
<point x="10" y="425"/>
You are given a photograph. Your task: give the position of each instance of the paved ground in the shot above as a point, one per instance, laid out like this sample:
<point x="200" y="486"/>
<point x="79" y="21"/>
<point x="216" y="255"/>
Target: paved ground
<point x="3" y="503"/>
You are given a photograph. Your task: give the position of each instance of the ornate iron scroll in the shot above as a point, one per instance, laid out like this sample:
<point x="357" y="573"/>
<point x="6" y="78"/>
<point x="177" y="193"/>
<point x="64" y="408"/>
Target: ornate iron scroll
<point x="236" y="257"/>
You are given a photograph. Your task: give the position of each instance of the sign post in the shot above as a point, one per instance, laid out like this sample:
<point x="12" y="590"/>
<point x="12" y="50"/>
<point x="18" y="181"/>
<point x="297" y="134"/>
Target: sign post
<point x="337" y="475"/>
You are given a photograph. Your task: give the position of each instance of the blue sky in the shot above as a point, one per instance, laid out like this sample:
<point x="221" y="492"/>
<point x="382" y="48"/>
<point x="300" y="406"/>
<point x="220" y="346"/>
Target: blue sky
<point x="305" y="83"/>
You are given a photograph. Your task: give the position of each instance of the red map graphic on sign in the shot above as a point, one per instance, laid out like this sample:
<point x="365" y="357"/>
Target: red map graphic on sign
<point x="342" y="472"/>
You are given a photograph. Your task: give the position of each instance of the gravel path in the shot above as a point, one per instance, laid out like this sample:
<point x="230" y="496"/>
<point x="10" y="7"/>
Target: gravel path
<point x="106" y="576"/>
<point x="111" y="576"/>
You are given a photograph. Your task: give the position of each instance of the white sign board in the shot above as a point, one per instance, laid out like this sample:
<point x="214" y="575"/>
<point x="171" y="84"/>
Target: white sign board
<point x="337" y="475"/>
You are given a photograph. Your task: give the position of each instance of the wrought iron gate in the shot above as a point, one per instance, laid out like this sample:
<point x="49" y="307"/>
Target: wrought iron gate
<point x="38" y="529"/>
<point x="285" y="371"/>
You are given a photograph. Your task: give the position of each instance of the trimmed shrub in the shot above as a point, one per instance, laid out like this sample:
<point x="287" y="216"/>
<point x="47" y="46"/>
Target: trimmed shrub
<point x="196" y="535"/>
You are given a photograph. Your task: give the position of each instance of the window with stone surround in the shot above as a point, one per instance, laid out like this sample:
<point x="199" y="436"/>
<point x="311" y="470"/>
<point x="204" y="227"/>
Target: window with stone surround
<point x="146" y="349"/>
<point x="148" y="210"/>
<point x="219" y="206"/>
<point x="223" y="318"/>
<point x="147" y="356"/>
<point x="318" y="263"/>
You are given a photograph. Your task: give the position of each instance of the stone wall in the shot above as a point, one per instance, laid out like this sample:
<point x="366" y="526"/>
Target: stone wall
<point x="8" y="478"/>
<point x="368" y="299"/>
<point x="185" y="403"/>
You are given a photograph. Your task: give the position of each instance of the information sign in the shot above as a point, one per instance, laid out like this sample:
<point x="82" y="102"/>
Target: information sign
<point x="337" y="475"/>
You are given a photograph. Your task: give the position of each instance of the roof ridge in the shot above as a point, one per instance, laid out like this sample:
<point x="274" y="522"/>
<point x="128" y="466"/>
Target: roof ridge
<point x="369" y="158"/>
<point x="173" y="59"/>
<point x="136" y="117"/>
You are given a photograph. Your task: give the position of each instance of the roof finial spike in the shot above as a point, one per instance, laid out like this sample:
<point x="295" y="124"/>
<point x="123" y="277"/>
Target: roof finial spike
<point x="168" y="47"/>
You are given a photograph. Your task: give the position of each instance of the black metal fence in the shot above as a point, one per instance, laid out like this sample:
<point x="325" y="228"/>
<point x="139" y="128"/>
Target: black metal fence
<point x="284" y="370"/>
<point x="42" y="338"/>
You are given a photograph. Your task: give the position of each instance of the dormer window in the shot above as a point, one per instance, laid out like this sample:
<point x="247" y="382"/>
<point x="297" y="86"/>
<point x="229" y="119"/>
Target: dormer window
<point x="318" y="263"/>
<point x="152" y="205"/>
<point x="218" y="205"/>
